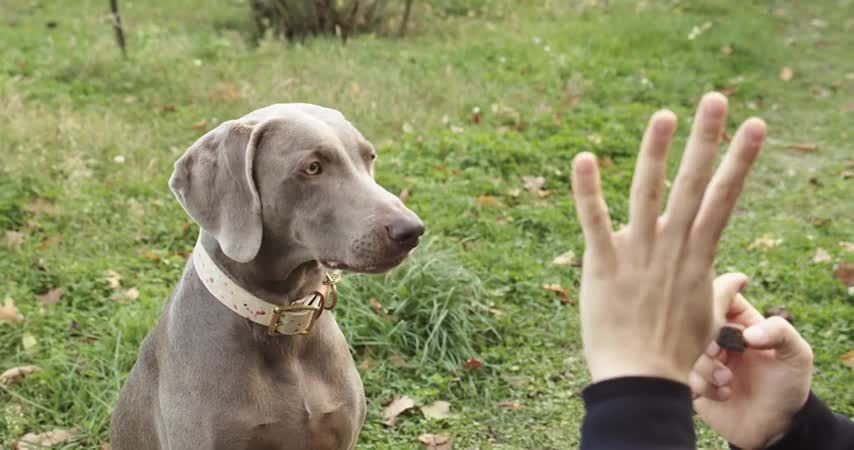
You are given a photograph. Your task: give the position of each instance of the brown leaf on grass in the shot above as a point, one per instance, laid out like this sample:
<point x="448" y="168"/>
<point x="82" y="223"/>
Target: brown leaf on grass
<point x="366" y="363"/>
<point x="726" y="50"/>
<point x="848" y="358"/>
<point x="439" y="409"/>
<point x="804" y="147"/>
<point x="558" y="289"/>
<point x="726" y="136"/>
<point x="764" y="241"/>
<point x="9" y="313"/>
<point x="114" y="279"/>
<point x="52" y="296"/>
<point x="475" y="115"/>
<point x="509" y="404"/>
<point x="404" y="195"/>
<point x="200" y="124"/>
<point x="14" y="238"/>
<point x="436" y="441"/>
<point x="848" y="246"/>
<point x="32" y="441"/>
<point x="126" y="296"/>
<point x="40" y="205"/>
<point x="514" y="192"/>
<point x="399" y="361"/>
<point x="14" y="374"/>
<point x="486" y="200"/>
<point x="844" y="272"/>
<point x="605" y="162"/>
<point x="227" y="91"/>
<point x="786" y="73"/>
<point x="396" y="408"/>
<point x="473" y="363"/>
<point x="168" y="108"/>
<point x="376" y="305"/>
<point x="566" y="259"/>
<point x="571" y="94"/>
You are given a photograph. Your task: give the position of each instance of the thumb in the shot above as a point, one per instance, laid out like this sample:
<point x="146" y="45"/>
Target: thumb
<point x="725" y="288"/>
<point x="777" y="334"/>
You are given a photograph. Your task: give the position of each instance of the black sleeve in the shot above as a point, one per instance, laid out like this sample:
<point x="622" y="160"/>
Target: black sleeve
<point x="816" y="427"/>
<point x="637" y="413"/>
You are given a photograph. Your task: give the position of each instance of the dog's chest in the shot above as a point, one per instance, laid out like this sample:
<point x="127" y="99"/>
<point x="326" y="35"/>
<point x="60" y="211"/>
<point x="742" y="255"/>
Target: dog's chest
<point x="310" y="409"/>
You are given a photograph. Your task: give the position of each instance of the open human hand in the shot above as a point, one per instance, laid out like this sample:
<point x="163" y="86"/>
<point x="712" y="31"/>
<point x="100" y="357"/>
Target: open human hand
<point x="646" y="291"/>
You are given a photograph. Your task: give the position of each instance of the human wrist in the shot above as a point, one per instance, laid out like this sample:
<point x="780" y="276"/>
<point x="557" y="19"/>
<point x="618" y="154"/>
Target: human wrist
<point x="616" y="367"/>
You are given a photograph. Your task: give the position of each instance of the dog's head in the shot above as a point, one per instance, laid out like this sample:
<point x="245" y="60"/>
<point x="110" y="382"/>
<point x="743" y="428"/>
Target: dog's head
<point x="298" y="178"/>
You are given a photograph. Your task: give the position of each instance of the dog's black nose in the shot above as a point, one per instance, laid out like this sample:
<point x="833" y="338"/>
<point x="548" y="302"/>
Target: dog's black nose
<point x="405" y="231"/>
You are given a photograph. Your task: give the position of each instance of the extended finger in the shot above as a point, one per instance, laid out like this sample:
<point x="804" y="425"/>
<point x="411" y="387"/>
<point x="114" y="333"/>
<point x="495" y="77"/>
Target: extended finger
<point x="590" y="205"/>
<point x="648" y="181"/>
<point x="742" y="312"/>
<point x="697" y="164"/>
<point x="726" y="287"/>
<point x="725" y="187"/>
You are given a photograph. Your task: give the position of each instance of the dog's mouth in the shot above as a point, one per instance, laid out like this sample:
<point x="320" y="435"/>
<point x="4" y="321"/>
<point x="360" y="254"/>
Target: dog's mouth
<point x="365" y="267"/>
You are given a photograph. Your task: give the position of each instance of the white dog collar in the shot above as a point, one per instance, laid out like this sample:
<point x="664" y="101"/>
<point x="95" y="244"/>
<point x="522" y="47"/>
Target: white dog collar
<point x="296" y="318"/>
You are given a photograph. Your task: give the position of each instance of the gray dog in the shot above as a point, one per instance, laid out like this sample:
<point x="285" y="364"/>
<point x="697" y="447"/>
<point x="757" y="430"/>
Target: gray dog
<point x="244" y="355"/>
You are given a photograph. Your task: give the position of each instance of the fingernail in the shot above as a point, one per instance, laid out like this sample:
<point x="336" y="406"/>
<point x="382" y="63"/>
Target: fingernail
<point x="721" y="376"/>
<point x="754" y="334"/>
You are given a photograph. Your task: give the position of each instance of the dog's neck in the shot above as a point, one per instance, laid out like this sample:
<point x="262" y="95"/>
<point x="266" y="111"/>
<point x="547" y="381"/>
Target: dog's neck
<point x="272" y="276"/>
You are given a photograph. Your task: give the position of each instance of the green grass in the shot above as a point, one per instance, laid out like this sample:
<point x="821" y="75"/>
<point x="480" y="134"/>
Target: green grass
<point x="550" y="78"/>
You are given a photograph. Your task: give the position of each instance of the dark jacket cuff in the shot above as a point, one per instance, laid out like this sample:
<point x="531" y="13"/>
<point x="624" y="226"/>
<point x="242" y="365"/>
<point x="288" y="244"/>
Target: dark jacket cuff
<point x="638" y="413"/>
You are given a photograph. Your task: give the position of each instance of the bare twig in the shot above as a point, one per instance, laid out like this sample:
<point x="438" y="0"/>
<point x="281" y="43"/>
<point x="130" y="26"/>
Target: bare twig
<point x="117" y="26"/>
<point x="405" y="20"/>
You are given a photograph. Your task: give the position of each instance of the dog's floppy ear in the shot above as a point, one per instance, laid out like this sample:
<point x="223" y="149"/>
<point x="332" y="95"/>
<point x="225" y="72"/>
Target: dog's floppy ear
<point x="213" y="182"/>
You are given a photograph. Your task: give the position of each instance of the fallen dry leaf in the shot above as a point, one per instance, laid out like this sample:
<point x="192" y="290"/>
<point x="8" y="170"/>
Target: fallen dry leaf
<point x="16" y="373"/>
<point x="436" y="441"/>
<point x="786" y="73"/>
<point x="821" y="255"/>
<point x="14" y="238"/>
<point x="132" y="293"/>
<point x="844" y="272"/>
<point x="395" y="408"/>
<point x="533" y="184"/>
<point x="378" y="307"/>
<point x="557" y="289"/>
<point x="40" y="205"/>
<point x="366" y="363"/>
<point x="848" y="246"/>
<point x="44" y="440"/>
<point x="566" y="259"/>
<point x="486" y="200"/>
<point x="764" y="241"/>
<point x="805" y="147"/>
<point x="114" y="280"/>
<point x="473" y="363"/>
<point x="726" y="50"/>
<point x="227" y="91"/>
<point x="848" y="358"/>
<point x="399" y="361"/>
<point x="52" y="296"/>
<point x="475" y="115"/>
<point x="200" y="124"/>
<point x="28" y="341"/>
<point x="509" y="404"/>
<point x="404" y="195"/>
<point x="439" y="409"/>
<point x="514" y="192"/>
<point x="9" y="313"/>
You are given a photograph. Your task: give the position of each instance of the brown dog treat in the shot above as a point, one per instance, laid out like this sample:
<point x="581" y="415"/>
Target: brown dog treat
<point x="730" y="338"/>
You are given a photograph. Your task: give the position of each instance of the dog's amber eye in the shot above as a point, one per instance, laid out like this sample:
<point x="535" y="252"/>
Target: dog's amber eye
<point x="313" y="169"/>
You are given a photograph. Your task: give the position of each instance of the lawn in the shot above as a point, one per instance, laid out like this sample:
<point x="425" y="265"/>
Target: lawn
<point x="477" y="103"/>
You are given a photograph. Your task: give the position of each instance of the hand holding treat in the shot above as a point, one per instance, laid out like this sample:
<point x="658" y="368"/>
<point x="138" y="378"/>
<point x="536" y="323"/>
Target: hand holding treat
<point x="750" y="398"/>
